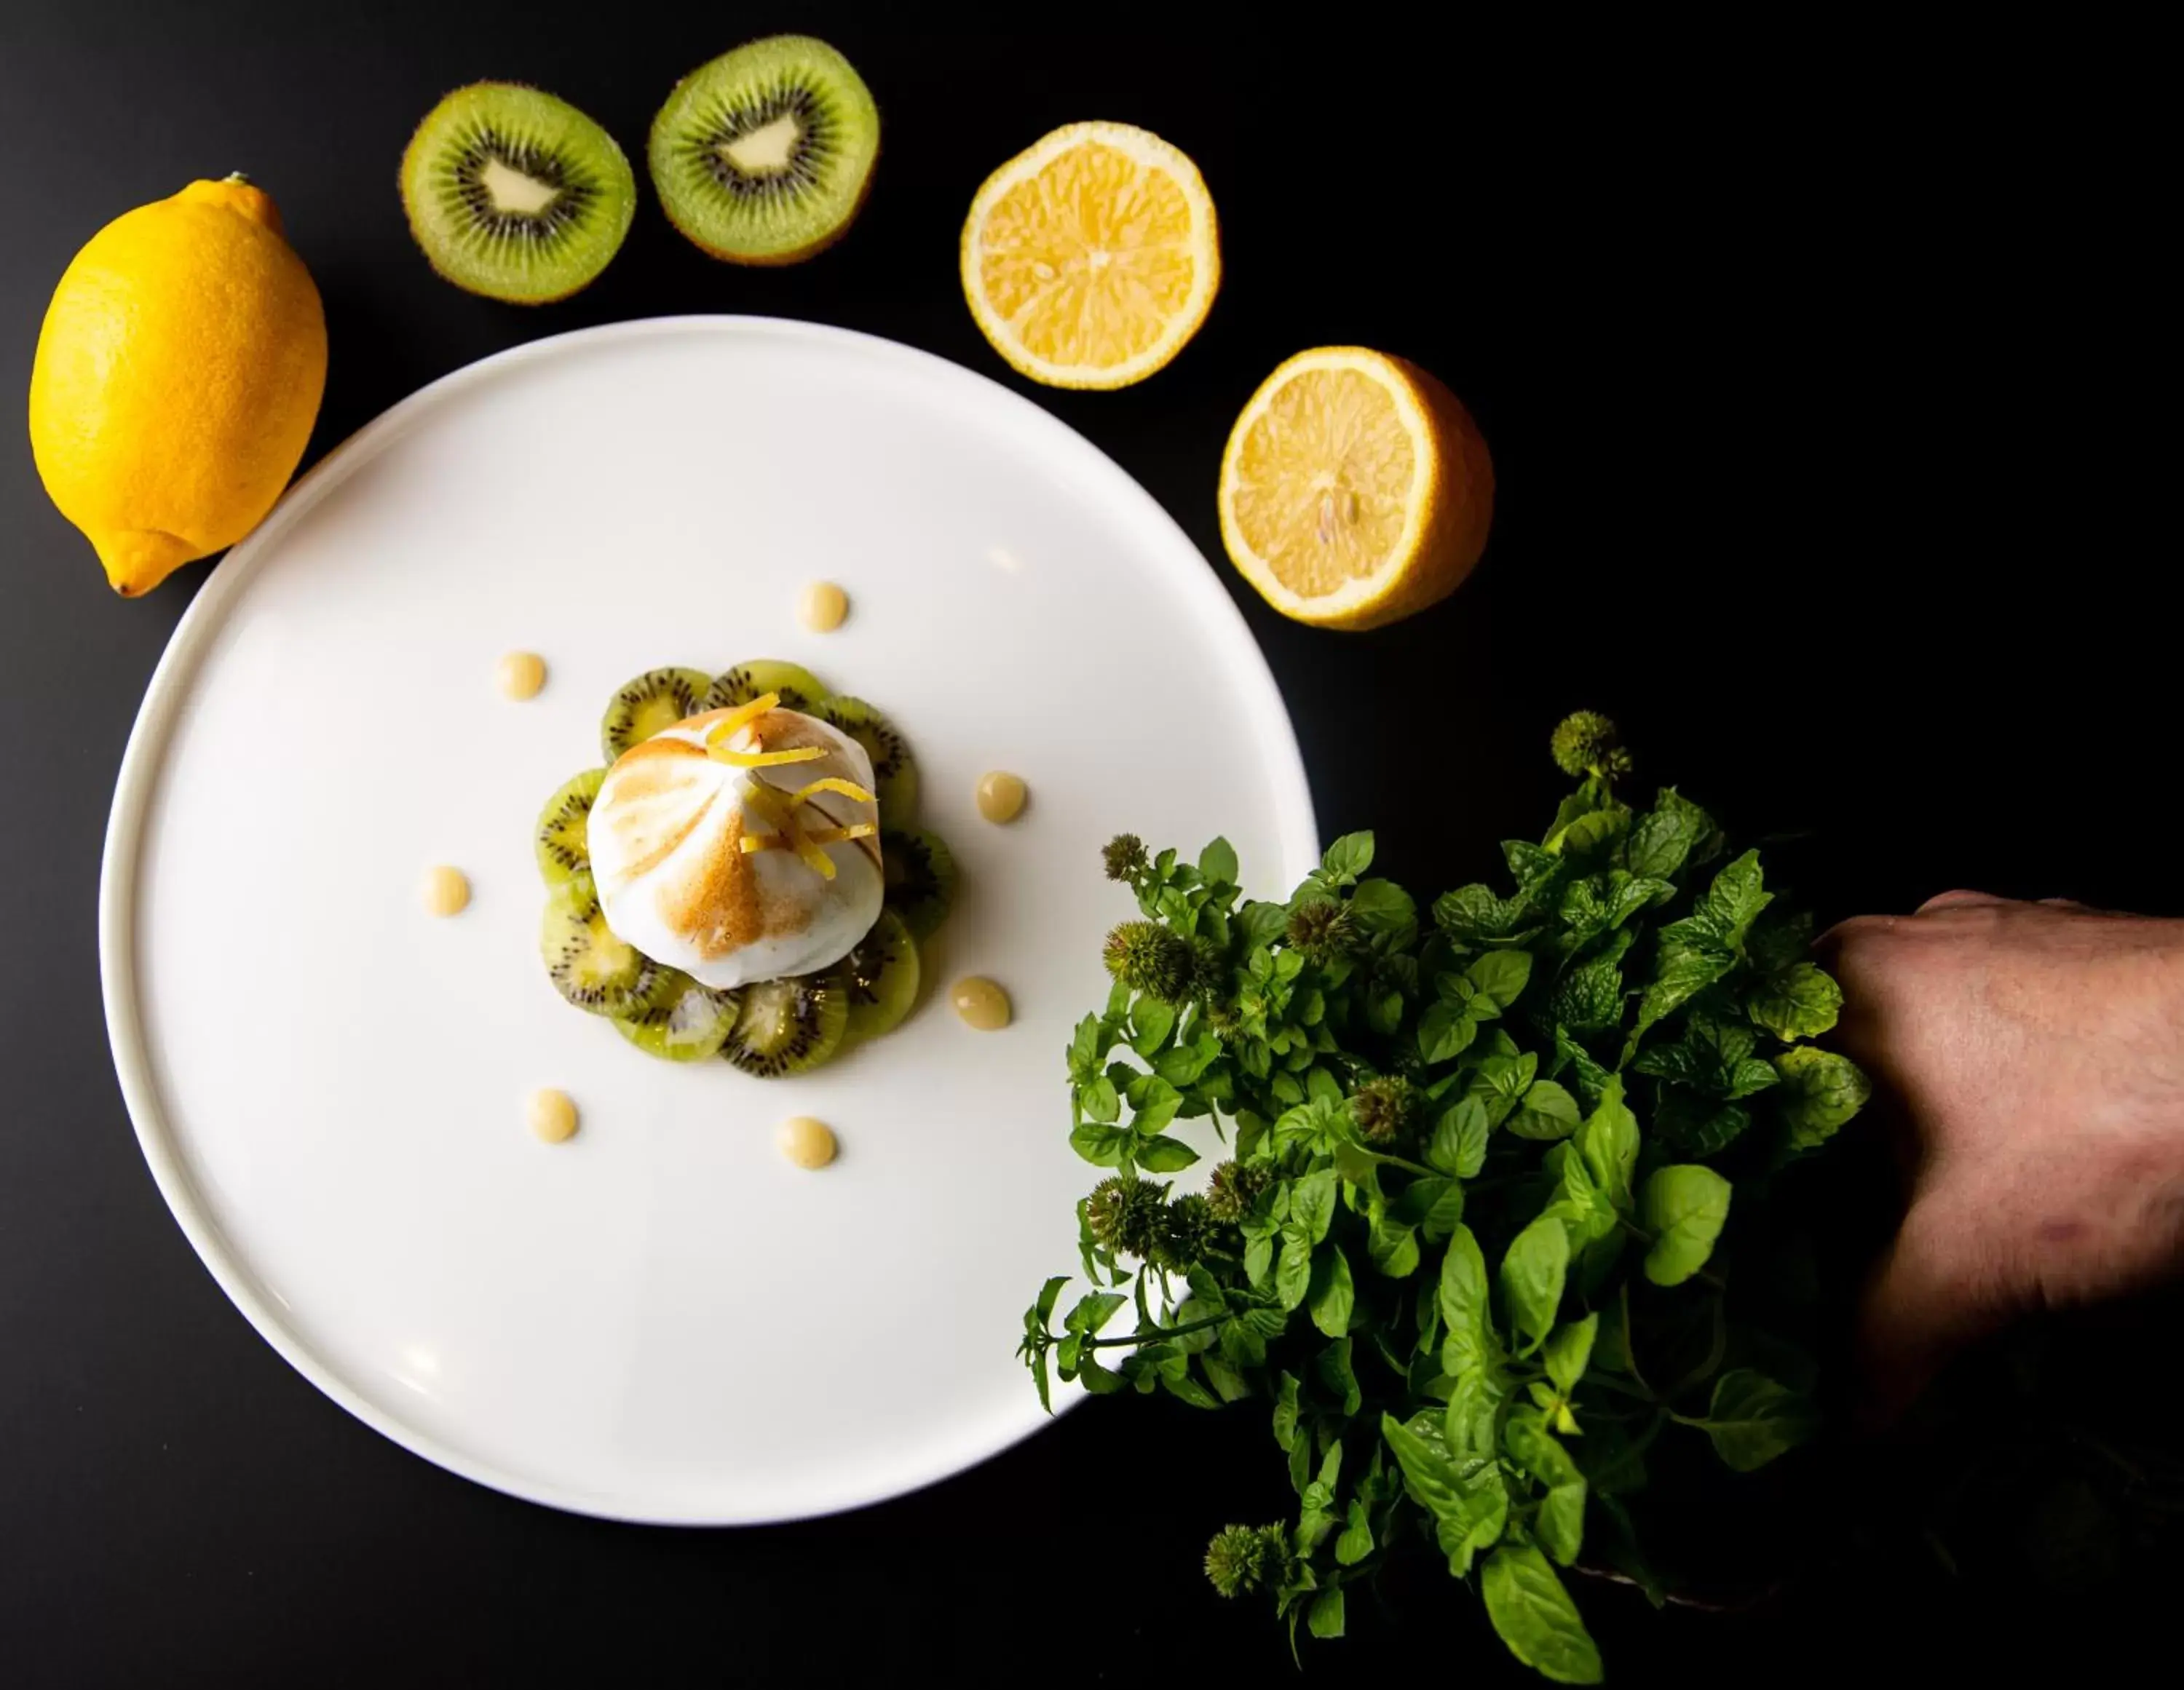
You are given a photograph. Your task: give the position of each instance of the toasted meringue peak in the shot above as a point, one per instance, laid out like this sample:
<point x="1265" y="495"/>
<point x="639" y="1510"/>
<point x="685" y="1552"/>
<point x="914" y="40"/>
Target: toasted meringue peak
<point x="700" y="873"/>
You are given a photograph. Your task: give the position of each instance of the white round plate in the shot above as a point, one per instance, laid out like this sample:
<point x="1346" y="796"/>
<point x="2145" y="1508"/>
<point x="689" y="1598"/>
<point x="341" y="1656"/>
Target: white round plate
<point x="660" y="1320"/>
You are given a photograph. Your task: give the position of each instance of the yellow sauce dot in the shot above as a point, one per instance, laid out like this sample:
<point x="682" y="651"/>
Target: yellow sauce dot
<point x="807" y="1143"/>
<point x="520" y="675"/>
<point x="446" y="891"/>
<point x="1001" y="796"/>
<point x="823" y="607"/>
<point x="981" y="1003"/>
<point x="552" y="1115"/>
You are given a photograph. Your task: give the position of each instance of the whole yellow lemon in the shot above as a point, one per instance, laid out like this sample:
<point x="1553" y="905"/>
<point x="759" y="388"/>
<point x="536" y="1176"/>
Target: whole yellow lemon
<point x="178" y="374"/>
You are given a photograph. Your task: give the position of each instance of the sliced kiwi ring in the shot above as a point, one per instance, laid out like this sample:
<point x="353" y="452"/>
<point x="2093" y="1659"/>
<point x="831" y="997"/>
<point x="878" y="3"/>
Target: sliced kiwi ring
<point x="563" y="835"/>
<point x="651" y="703"/>
<point x="789" y="1026"/>
<point x="514" y="194"/>
<point x="879" y="977"/>
<point x="895" y="770"/>
<point x="797" y="687"/>
<point x="685" y="1022"/>
<point x="764" y="155"/>
<point x="919" y="871"/>
<point x="590" y="966"/>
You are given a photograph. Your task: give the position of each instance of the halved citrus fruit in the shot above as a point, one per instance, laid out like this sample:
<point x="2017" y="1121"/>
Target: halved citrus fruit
<point x="1355" y="490"/>
<point x="1091" y="258"/>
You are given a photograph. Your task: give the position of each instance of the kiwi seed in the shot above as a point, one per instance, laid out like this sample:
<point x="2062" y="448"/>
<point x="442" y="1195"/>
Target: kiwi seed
<point x="514" y="194"/>
<point x="763" y="155"/>
<point x="652" y="703"/>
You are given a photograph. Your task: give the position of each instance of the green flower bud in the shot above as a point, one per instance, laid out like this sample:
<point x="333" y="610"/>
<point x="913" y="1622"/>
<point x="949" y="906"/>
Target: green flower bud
<point x="1189" y="1228"/>
<point x="1323" y="929"/>
<point x="1385" y="1108"/>
<point x="1145" y="957"/>
<point x="1220" y="1016"/>
<point x="1125" y="857"/>
<point x="1236" y="1187"/>
<point x="1126" y="1216"/>
<point x="1209" y="968"/>
<point x="1244" y="1557"/>
<point x="1587" y="743"/>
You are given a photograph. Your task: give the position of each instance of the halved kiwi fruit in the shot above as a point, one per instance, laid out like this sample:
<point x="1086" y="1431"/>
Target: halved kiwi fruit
<point x="588" y="965"/>
<point x="686" y="1022"/>
<point x="514" y="194"/>
<point x="879" y="977"/>
<point x="895" y="770"/>
<point x="651" y="703"/>
<point x="919" y="871"/>
<point x="787" y="1025"/>
<point x="798" y="687"/>
<point x="563" y="839"/>
<point x="763" y="155"/>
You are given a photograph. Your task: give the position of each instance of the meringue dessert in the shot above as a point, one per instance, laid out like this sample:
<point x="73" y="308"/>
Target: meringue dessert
<point x="740" y="845"/>
<point x="730" y="885"/>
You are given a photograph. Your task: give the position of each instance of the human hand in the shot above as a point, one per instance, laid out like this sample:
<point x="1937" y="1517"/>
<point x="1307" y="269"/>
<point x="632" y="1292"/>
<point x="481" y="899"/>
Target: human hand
<point x="2036" y="1051"/>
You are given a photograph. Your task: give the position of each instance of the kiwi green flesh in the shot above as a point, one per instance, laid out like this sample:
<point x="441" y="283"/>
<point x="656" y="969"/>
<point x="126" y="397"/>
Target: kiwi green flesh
<point x="787" y="1026"/>
<point x="687" y="1022"/>
<point x="514" y="194"/>
<point x="588" y="965"/>
<point x="798" y="687"/>
<point x="764" y="154"/>
<point x="919" y="873"/>
<point x="895" y="770"/>
<point x="563" y="838"/>
<point x="879" y="977"/>
<point x="649" y="705"/>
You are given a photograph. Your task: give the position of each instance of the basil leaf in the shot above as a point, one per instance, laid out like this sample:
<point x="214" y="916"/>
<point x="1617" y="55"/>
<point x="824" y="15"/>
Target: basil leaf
<point x="1430" y="1203"/>
<point x="1347" y="858"/>
<point x="1293" y="1273"/>
<point x="1533" y="1272"/>
<point x="1103" y="1146"/>
<point x="1458" y="1145"/>
<point x="1500" y="974"/>
<point x="1332" y="1294"/>
<point x="1607" y="1140"/>
<point x="1217" y="861"/>
<point x="1311" y="1203"/>
<point x="1684" y="1206"/>
<point x="1559" y="1526"/>
<point x="1151" y="1021"/>
<point x="1570" y="1352"/>
<point x="1753" y="1419"/>
<point x="1465" y="1496"/>
<point x="1546" y="1113"/>
<point x="1355" y="1542"/>
<point x="1534" y="1616"/>
<point x="1160" y="1155"/>
<point x="1383" y="908"/>
<point x="1285" y="1412"/>
<point x="1444" y="1032"/>
<point x="1392" y="1246"/>
<point x="1324" y="1618"/>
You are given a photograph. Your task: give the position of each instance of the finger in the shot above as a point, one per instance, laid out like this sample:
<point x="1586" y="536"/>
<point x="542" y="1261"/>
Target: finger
<point x="1961" y="898"/>
<point x="2073" y="905"/>
<point x="1927" y="1300"/>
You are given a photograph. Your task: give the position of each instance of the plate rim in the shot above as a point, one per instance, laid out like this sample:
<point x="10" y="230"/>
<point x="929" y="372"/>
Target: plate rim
<point x="143" y="759"/>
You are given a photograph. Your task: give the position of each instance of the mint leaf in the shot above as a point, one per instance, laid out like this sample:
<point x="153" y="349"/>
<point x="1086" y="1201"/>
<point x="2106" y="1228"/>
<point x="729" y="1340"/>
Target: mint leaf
<point x="1588" y="998"/>
<point x="1820" y="1091"/>
<point x="1684" y="1206"/>
<point x="1534" y="1616"/>
<point x="1475" y="916"/>
<point x="1693" y="1125"/>
<point x="1720" y="918"/>
<point x="1801" y="1001"/>
<point x="1678" y="975"/>
<point x="1662" y="838"/>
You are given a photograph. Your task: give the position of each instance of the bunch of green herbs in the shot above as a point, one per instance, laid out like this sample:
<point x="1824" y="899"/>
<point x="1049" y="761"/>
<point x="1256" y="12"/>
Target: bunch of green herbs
<point x="1494" y="1220"/>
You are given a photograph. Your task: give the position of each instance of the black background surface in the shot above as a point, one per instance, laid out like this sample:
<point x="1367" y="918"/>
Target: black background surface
<point x="1786" y="354"/>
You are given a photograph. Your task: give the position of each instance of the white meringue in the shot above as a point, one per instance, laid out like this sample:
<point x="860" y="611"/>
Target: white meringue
<point x="666" y="834"/>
